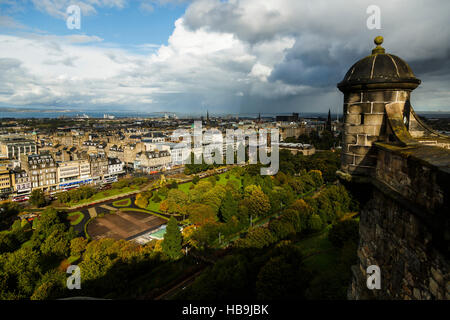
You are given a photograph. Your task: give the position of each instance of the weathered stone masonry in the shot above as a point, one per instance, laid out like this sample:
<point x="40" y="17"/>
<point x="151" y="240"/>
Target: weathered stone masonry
<point x="404" y="227"/>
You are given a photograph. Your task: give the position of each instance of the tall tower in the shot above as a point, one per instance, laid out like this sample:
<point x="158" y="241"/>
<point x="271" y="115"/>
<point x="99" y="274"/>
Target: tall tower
<point x="371" y="88"/>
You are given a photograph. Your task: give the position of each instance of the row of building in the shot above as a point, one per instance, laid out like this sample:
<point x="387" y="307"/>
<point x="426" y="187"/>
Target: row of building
<point x="41" y="171"/>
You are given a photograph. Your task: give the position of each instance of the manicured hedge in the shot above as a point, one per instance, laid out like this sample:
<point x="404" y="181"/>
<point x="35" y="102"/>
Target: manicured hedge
<point x="122" y="203"/>
<point x="78" y="220"/>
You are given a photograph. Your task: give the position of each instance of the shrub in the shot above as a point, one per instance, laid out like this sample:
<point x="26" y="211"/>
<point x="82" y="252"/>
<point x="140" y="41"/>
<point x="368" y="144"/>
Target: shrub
<point x="163" y="192"/>
<point x="156" y="198"/>
<point x="143" y="198"/>
<point x="173" y="185"/>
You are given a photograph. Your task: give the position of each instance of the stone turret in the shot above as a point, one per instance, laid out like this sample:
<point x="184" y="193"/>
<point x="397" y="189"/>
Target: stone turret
<point x="402" y="168"/>
<point x="369" y="86"/>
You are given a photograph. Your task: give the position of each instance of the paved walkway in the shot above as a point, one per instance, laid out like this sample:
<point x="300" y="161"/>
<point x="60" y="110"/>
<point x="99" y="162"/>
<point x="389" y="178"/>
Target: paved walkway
<point x="92" y="212"/>
<point x="104" y="206"/>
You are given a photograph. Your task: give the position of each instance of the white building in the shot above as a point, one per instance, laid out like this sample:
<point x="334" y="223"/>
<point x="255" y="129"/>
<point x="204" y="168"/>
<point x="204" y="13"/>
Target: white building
<point x="115" y="166"/>
<point x="73" y="173"/>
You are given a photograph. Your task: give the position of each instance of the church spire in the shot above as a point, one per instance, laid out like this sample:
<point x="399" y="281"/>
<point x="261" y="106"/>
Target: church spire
<point x="328" y="127"/>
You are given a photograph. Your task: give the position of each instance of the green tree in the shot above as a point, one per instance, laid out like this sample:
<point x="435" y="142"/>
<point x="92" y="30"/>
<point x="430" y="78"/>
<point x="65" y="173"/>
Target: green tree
<point x="214" y="197"/>
<point x="156" y="198"/>
<point x="163" y="192"/>
<point x="78" y="245"/>
<point x="47" y="222"/>
<point x="173" y="185"/>
<point x="315" y="222"/>
<point x="172" y="242"/>
<point x="229" y="207"/>
<point x="57" y="243"/>
<point x="293" y="218"/>
<point x="176" y="201"/>
<point x="8" y="211"/>
<point x="316" y="176"/>
<point x="256" y="238"/>
<point x="281" y="228"/>
<point x="23" y="270"/>
<point x="51" y="286"/>
<point x="206" y="235"/>
<point x="257" y="201"/>
<point x="37" y="198"/>
<point x="8" y="242"/>
<point x="200" y="214"/>
<point x="197" y="194"/>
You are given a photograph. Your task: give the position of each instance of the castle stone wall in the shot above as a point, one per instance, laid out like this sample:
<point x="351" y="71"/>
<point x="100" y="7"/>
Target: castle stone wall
<point x="405" y="227"/>
<point x="396" y="240"/>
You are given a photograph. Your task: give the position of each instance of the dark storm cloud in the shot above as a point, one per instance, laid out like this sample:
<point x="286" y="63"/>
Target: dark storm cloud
<point x="332" y="35"/>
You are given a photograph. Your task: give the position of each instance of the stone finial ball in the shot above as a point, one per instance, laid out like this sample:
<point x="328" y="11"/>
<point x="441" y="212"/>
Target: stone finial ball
<point x="378" y="40"/>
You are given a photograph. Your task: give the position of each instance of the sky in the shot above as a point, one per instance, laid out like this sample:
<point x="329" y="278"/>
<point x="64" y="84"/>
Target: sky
<point x="235" y="56"/>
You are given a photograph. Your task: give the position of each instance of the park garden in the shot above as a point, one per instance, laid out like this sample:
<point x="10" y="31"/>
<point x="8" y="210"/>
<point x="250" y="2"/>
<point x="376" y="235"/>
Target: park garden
<point x="283" y="236"/>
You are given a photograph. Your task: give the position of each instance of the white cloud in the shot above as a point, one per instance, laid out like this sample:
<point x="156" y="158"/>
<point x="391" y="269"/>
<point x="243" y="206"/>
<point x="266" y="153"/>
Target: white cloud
<point x="201" y="66"/>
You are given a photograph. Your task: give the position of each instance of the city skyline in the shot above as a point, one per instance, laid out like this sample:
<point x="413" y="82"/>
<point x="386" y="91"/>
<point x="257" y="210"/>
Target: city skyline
<point x="226" y="57"/>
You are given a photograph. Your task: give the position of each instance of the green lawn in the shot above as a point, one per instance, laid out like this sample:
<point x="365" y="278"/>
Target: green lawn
<point x="316" y="242"/>
<point x="323" y="261"/>
<point x="73" y="259"/>
<point x="104" y="194"/>
<point x="27" y="244"/>
<point x="77" y="220"/>
<point x="154" y="206"/>
<point x="318" y="251"/>
<point x="185" y="187"/>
